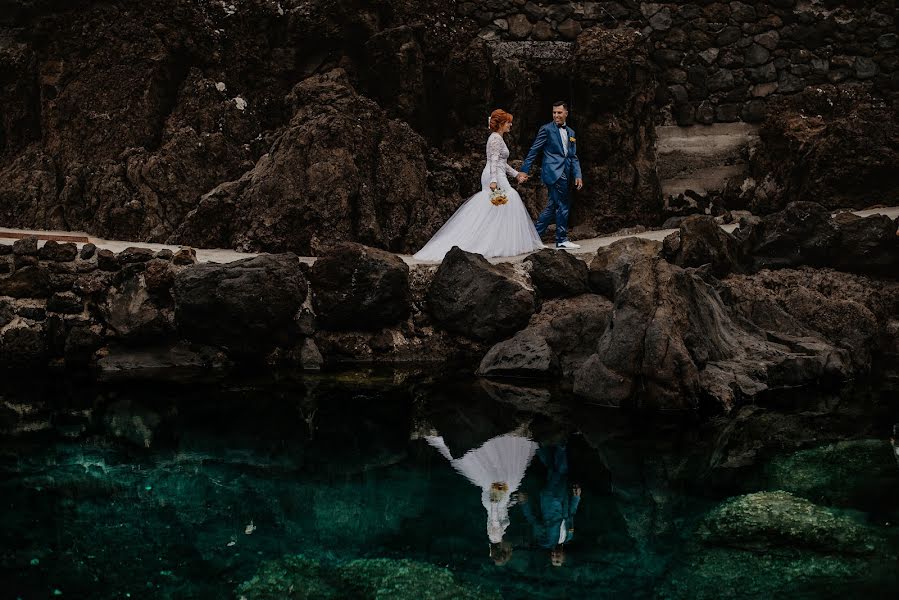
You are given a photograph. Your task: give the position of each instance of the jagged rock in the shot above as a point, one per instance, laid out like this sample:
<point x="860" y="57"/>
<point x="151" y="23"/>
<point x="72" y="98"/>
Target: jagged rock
<point x="27" y="282"/>
<point x="65" y="302"/>
<point x="372" y="189"/>
<point x="610" y="268"/>
<point x="557" y="274"/>
<point x="471" y="297"/>
<point x="357" y="287"/>
<point x="828" y="144"/>
<point x="131" y="313"/>
<point x="867" y="245"/>
<point x="107" y="261"/>
<point x="134" y="254"/>
<point x="556" y="342"/>
<point x="185" y="256"/>
<point x="159" y="277"/>
<point x="55" y="251"/>
<point x="702" y="241"/>
<point x="800" y="234"/>
<point x="246" y="306"/>
<point x="164" y="254"/>
<point x="23" y="346"/>
<point x="26" y="246"/>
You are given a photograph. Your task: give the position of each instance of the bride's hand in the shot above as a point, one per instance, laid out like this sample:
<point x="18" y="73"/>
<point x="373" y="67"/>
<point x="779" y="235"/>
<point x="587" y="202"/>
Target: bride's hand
<point x="492" y="186"/>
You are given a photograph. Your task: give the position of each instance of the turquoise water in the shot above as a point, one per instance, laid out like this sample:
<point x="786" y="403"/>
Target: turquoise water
<point x="186" y="487"/>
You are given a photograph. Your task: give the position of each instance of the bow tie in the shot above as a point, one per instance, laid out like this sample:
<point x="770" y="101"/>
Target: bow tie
<point x="561" y="126"/>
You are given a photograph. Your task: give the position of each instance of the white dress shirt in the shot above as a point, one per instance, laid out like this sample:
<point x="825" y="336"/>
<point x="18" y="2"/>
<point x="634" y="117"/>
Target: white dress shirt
<point x="563" y="131"/>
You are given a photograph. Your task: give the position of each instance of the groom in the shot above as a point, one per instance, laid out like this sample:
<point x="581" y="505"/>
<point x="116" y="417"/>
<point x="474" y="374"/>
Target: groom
<point x="560" y="165"/>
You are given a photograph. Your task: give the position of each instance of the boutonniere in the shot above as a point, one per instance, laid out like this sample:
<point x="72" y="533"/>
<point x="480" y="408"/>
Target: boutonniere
<point x="571" y="139"/>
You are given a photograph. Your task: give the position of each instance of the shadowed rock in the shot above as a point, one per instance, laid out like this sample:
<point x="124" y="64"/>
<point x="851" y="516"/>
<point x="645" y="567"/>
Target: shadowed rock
<point x="610" y="267"/>
<point x="557" y="273"/>
<point x="703" y="242"/>
<point x="357" y="287"/>
<point x="246" y="306"/>
<point x="474" y="298"/>
<point x="801" y="234"/>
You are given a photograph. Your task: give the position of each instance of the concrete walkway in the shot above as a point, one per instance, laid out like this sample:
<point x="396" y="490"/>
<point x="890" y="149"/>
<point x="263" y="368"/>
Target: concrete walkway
<point x="219" y="255"/>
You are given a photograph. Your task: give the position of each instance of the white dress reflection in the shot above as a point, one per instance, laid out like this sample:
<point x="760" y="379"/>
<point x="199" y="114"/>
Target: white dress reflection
<point x="497" y="467"/>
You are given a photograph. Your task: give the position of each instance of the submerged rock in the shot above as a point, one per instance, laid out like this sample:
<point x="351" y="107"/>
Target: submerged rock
<point x="773" y="544"/>
<point x="300" y="578"/>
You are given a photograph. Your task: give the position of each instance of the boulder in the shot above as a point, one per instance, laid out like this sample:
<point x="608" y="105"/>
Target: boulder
<point x="26" y="246"/>
<point x="246" y="306"/>
<point x="867" y="245"/>
<point x="610" y="267"/>
<point x="801" y="234"/>
<point x="471" y="297"/>
<point x="556" y="342"/>
<point x="132" y="315"/>
<point x="26" y="282"/>
<point x="357" y="287"/>
<point x="88" y="251"/>
<point x="556" y="274"/>
<point x="134" y="254"/>
<point x="57" y="252"/>
<point x="23" y="346"/>
<point x="703" y="242"/>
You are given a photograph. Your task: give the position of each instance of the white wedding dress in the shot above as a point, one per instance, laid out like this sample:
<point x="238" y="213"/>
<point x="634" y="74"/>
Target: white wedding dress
<point x="480" y="227"/>
<point x="503" y="459"/>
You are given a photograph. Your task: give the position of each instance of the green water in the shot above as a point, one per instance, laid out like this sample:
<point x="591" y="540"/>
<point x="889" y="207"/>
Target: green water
<point x="321" y="487"/>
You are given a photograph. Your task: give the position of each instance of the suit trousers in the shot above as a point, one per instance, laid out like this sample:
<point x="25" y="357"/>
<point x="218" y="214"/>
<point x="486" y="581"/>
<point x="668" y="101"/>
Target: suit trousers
<point x="559" y="201"/>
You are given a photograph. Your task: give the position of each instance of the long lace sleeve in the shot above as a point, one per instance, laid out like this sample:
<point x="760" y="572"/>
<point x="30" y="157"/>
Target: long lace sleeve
<point x="494" y="158"/>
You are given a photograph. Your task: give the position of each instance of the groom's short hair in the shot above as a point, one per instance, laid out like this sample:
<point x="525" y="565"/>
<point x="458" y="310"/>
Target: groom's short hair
<point x="561" y="103"/>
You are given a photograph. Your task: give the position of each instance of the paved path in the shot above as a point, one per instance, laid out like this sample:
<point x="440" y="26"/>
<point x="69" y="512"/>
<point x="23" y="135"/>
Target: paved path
<point x="219" y="255"/>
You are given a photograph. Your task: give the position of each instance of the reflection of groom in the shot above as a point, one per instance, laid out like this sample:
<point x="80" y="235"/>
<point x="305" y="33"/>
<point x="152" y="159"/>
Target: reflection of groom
<point x="560" y="165"/>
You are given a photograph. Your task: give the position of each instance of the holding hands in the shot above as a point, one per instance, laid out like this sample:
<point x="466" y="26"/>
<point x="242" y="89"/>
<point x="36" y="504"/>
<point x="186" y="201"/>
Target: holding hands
<point x="522" y="177"/>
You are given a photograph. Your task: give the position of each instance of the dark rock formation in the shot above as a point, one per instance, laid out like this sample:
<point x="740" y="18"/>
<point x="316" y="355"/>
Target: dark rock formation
<point x="610" y="267"/>
<point x="701" y="241"/>
<point x="556" y="274"/>
<point x="356" y="287"/>
<point x="830" y="145"/>
<point x="471" y="297"/>
<point x="557" y="340"/>
<point x="246" y="306"/>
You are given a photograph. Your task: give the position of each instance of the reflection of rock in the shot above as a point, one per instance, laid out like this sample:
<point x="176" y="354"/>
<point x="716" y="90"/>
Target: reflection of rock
<point x="474" y="298"/>
<point x="129" y="361"/>
<point x="132" y="421"/>
<point x="772" y="544"/>
<point x="856" y="473"/>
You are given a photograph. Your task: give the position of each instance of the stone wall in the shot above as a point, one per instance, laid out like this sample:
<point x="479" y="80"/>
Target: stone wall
<point x="722" y="61"/>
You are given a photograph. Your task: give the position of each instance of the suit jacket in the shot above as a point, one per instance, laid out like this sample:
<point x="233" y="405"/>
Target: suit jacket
<point x="556" y="507"/>
<point x="555" y="161"/>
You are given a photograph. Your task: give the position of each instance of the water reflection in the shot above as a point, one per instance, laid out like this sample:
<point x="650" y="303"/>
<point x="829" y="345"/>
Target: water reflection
<point x="497" y="467"/>
<point x="552" y="520"/>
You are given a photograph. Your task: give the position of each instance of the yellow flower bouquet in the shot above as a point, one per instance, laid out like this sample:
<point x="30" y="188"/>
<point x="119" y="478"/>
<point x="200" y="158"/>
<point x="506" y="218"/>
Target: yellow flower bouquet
<point x="498" y="197"/>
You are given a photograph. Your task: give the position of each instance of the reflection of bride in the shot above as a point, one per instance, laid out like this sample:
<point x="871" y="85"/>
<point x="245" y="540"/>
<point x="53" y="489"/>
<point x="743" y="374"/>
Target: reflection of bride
<point x="497" y="467"/>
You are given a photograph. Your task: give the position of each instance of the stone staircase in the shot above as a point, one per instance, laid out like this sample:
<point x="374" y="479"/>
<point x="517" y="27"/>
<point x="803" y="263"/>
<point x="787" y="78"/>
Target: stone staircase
<point x="702" y="157"/>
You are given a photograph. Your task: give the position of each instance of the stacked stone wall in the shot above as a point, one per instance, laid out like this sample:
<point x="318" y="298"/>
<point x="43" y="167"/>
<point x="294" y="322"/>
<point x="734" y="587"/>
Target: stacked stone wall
<point x="724" y="61"/>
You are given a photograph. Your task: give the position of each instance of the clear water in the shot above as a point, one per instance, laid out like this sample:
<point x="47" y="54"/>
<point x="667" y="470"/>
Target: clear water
<point x="183" y="487"/>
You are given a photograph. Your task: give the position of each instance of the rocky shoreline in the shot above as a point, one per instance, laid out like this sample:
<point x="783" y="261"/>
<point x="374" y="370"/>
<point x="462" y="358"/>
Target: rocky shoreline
<point x="705" y="318"/>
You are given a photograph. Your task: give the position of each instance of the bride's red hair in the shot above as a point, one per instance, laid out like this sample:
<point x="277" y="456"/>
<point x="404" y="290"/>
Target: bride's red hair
<point x="498" y="118"/>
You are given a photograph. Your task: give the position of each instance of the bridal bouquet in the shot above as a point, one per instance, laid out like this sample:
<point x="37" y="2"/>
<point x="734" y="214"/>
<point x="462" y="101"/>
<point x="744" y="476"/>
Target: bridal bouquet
<point x="498" y="197"/>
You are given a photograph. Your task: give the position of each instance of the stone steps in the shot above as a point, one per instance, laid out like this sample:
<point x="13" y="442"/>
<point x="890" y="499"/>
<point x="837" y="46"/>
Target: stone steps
<point x="702" y="157"/>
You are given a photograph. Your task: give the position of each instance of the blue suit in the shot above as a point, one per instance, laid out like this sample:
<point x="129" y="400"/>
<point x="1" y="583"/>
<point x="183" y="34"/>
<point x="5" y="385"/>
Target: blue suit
<point x="558" y="171"/>
<point x="557" y="503"/>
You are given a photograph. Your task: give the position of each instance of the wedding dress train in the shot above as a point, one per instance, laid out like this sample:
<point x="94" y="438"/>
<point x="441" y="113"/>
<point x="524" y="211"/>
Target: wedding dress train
<point x="479" y="226"/>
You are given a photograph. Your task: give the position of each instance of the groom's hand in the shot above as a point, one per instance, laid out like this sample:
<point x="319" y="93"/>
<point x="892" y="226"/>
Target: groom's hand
<point x="522" y="177"/>
<point x="579" y="183"/>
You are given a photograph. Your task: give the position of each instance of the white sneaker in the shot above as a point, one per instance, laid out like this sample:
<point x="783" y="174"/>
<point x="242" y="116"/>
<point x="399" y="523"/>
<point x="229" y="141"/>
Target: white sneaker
<point x="568" y="245"/>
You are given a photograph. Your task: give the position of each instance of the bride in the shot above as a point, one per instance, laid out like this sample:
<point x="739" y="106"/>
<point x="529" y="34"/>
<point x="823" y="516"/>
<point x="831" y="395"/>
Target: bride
<point x="479" y="225"/>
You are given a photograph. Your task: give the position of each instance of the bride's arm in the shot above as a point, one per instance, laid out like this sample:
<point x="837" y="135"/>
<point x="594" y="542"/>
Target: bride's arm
<point x="494" y="146"/>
